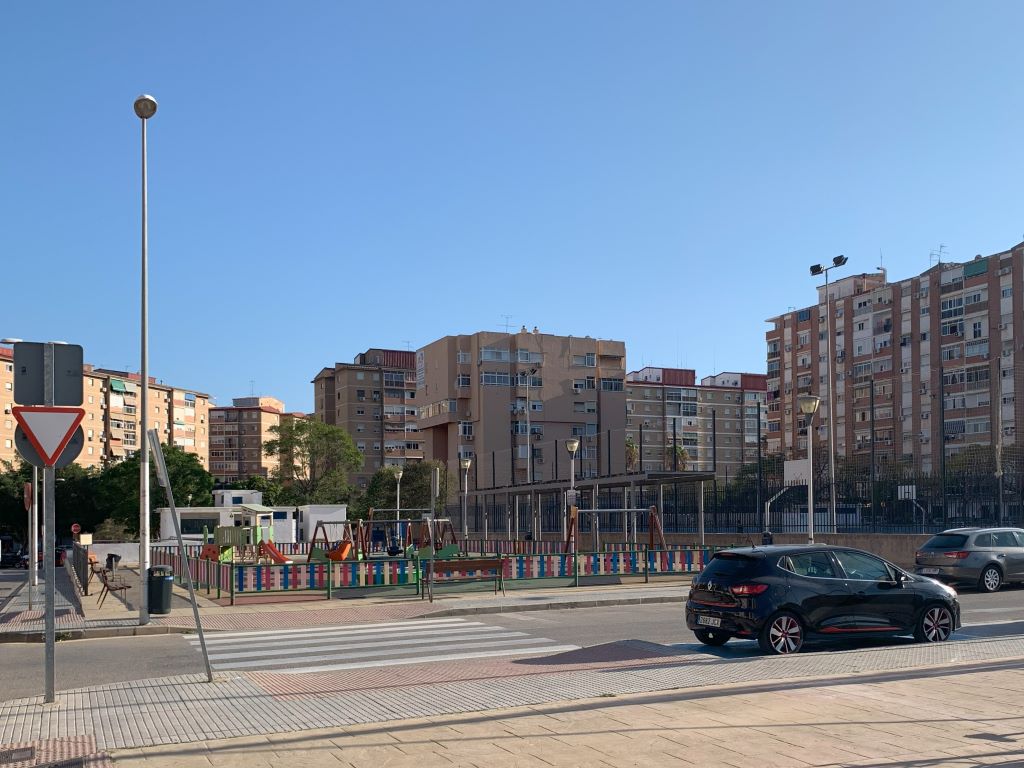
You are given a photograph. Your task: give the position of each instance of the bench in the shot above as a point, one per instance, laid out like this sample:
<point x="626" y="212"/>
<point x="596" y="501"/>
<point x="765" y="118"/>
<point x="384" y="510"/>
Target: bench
<point x="110" y="584"/>
<point x="465" y="569"/>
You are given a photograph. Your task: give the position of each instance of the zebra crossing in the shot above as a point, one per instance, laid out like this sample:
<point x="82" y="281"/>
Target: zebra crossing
<point x="328" y="649"/>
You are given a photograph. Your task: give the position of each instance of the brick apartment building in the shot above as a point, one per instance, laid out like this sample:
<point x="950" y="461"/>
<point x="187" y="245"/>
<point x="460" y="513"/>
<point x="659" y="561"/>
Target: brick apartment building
<point x="374" y="399"/>
<point x="919" y="364"/>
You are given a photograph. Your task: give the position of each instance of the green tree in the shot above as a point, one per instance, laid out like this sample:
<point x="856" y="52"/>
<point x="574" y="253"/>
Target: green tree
<point x="274" y="493"/>
<point x="632" y="454"/>
<point x="381" y="493"/>
<point x="314" y="460"/>
<point x="117" y="488"/>
<point x="13" y="517"/>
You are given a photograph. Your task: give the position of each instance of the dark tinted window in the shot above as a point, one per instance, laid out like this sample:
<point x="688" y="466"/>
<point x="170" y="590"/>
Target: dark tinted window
<point x="733" y="566"/>
<point x="1004" y="539"/>
<point x="863" y="567"/>
<point x="983" y="540"/>
<point x="814" y="564"/>
<point x="946" y="541"/>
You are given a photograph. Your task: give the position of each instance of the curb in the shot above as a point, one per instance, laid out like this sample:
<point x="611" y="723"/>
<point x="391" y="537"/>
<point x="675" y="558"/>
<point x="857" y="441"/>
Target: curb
<point x="554" y="606"/>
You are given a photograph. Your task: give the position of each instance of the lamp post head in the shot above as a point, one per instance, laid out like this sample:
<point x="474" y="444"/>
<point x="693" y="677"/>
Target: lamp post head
<point x="465" y="463"/>
<point x="398" y="475"/>
<point x="145" y="106"/>
<point x="817" y="269"/>
<point x="808" y="404"/>
<point x="572" y="446"/>
<point x="839" y="260"/>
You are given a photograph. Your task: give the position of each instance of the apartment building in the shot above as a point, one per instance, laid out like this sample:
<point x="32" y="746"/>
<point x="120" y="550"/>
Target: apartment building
<point x="374" y="399"/>
<point x="238" y="433"/>
<point x="678" y="424"/>
<point x="922" y="363"/>
<point x="110" y="400"/>
<point x="509" y="401"/>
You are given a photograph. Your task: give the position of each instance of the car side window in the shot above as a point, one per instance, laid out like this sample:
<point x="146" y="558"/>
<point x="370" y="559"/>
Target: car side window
<point x="813" y="564"/>
<point x="983" y="540"/>
<point x="860" y="566"/>
<point x="1004" y="539"/>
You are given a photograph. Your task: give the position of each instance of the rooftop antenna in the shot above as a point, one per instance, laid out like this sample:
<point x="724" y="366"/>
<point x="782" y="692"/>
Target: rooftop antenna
<point x="881" y="261"/>
<point x="507" y="323"/>
<point x="935" y="257"/>
<point x="407" y="343"/>
<point x="252" y="387"/>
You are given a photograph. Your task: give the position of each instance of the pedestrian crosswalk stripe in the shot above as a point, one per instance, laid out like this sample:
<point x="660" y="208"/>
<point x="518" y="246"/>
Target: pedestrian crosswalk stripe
<point x="345" y="629"/>
<point x="293" y="651"/>
<point x="334" y="633"/>
<point x="428" y="659"/>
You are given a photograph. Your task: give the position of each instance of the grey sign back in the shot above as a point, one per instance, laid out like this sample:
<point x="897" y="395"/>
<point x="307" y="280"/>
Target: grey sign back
<point x="29" y="375"/>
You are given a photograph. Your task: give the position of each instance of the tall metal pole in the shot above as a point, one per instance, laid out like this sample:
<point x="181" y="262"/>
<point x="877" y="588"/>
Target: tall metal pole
<point x="465" y="496"/>
<point x="145" y="108"/>
<point x="49" y="542"/>
<point x="810" y="481"/>
<point x="831" y="410"/>
<point x="529" y="450"/>
<point x="33" y="544"/>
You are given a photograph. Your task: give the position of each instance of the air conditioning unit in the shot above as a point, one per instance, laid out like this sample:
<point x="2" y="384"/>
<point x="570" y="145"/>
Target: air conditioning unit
<point x="468" y="438"/>
<point x="577" y="390"/>
<point x="539" y="460"/>
<point x="1002" y="326"/>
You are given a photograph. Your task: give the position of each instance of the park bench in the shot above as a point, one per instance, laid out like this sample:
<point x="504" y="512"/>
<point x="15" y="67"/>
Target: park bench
<point x="469" y="569"/>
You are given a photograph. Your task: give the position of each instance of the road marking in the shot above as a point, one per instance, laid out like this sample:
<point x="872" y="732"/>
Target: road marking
<point x="549" y="649"/>
<point x="337" y="633"/>
<point x="351" y="628"/>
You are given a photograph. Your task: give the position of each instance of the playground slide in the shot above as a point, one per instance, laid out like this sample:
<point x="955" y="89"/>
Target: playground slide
<point x="209" y="552"/>
<point x="267" y="549"/>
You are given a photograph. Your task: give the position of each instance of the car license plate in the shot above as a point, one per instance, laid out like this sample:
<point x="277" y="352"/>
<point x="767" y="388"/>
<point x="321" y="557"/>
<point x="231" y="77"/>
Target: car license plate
<point x="709" y="621"/>
<point x="929" y="571"/>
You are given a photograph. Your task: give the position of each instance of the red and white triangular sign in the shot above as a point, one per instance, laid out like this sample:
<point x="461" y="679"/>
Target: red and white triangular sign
<point x="48" y="428"/>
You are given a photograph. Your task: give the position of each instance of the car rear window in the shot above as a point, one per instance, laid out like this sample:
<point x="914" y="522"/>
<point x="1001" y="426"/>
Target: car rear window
<point x="946" y="541"/>
<point x="732" y="565"/>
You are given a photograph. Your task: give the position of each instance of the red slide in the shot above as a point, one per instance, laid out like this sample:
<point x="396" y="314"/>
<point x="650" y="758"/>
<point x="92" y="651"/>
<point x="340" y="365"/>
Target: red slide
<point x="267" y="549"/>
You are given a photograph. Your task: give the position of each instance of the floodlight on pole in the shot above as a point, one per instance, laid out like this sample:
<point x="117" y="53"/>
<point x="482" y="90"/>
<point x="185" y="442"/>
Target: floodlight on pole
<point x="398" y="494"/>
<point x="808" y="405"/>
<point x="818" y="269"/>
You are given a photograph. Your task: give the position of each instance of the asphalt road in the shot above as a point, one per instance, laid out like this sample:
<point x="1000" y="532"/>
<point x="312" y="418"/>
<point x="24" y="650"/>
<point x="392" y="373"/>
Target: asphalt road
<point x="96" y="662"/>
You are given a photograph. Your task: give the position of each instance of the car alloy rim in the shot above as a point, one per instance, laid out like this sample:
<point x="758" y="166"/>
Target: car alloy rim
<point x="938" y="624"/>
<point x="785" y="634"/>
<point x="991" y="578"/>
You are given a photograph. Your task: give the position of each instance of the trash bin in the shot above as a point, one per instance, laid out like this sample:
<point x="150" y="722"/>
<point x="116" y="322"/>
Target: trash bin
<point x="112" y="561"/>
<point x="158" y="588"/>
<point x="767" y="539"/>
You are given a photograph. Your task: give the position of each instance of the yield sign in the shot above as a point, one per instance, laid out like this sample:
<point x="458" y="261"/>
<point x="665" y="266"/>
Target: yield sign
<point x="49" y="428"/>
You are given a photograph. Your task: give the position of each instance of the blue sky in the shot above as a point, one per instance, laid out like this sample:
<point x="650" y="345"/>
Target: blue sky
<point x="330" y="176"/>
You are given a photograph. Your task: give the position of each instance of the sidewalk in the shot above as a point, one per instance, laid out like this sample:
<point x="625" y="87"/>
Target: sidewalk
<point x="959" y="716"/>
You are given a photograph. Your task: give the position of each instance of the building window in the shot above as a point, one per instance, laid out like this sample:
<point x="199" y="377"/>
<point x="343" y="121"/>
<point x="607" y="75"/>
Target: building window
<point x="588" y="360"/>
<point x="462" y="380"/>
<point x="463" y="357"/>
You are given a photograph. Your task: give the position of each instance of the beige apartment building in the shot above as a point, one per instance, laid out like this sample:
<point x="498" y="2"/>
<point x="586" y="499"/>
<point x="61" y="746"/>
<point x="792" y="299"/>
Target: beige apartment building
<point x="677" y="424"/>
<point x="922" y="364"/>
<point x="509" y="402"/>
<point x="238" y="433"/>
<point x="110" y="400"/>
<point x="374" y="399"/>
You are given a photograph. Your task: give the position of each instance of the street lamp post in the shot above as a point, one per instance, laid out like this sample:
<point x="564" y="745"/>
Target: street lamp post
<point x="529" y="437"/>
<point x="818" y="269"/>
<point x="145" y="108"/>
<point x="465" y="464"/>
<point x="398" y="494"/>
<point x="808" y="405"/>
<point x="572" y="445"/>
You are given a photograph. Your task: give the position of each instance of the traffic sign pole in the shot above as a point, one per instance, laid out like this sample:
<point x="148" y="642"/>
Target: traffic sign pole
<point x="49" y="541"/>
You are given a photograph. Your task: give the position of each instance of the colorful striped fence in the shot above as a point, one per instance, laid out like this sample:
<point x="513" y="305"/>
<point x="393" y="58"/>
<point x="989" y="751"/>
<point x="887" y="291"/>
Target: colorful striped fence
<point x="245" y="579"/>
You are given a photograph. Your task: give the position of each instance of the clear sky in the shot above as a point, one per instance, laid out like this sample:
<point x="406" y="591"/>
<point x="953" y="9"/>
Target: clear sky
<point x="331" y="176"/>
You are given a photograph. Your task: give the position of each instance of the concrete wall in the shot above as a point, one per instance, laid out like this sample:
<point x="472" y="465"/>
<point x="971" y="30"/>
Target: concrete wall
<point x="897" y="547"/>
<point x="128" y="550"/>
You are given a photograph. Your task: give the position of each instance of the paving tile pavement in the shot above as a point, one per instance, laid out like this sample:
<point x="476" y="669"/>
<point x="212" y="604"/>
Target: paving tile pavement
<point x="826" y="724"/>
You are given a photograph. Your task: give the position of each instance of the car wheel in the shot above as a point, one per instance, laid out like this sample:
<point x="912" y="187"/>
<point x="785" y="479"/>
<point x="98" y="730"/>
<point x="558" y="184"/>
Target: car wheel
<point x="782" y="633"/>
<point x="935" y="624"/>
<point x="712" y="637"/>
<point x="991" y="579"/>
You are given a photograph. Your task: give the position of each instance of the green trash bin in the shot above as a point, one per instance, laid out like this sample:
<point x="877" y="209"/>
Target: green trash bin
<point x="159" y="587"/>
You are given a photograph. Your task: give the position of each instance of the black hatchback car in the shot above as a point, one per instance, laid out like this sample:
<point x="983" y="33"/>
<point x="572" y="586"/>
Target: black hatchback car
<point x="782" y="595"/>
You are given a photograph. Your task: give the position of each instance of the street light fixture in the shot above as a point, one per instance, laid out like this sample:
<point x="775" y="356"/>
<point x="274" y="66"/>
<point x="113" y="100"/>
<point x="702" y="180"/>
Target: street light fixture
<point x="145" y="108"/>
<point x="465" y="463"/>
<point x="808" y="405"/>
<point x="818" y="269"/>
<point x="572" y="445"/>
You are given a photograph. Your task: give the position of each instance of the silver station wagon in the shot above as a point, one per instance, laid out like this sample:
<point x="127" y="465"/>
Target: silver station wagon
<point x="985" y="558"/>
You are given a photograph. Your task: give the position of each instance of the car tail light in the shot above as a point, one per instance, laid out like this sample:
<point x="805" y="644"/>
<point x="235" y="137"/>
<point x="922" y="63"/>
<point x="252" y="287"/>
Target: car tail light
<point x="961" y="555"/>
<point x="744" y="590"/>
